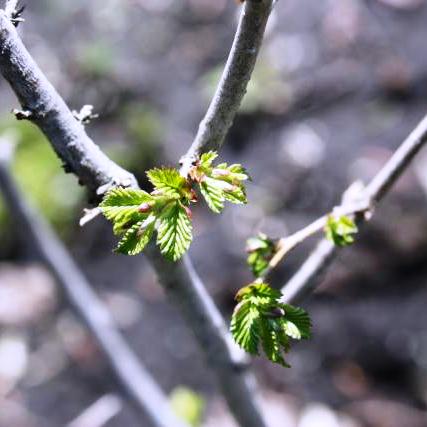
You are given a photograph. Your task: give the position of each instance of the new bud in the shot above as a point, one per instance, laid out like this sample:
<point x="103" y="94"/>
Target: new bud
<point x="144" y="207"/>
<point x="220" y="172"/>
<point x="188" y="212"/>
<point x="193" y="195"/>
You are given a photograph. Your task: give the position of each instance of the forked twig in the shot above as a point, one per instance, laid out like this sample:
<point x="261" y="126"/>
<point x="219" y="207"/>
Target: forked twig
<point x="310" y="273"/>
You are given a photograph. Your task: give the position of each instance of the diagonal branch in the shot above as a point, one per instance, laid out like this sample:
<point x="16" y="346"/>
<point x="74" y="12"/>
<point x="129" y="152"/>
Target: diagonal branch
<point x="94" y="169"/>
<point x="234" y="81"/>
<point x="310" y="273"/>
<point x="10" y="8"/>
<point x="288" y="243"/>
<point x="135" y="379"/>
<point x="207" y="324"/>
<point x="48" y="111"/>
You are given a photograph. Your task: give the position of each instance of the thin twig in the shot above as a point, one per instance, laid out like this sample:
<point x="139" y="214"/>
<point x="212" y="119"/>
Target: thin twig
<point x="73" y="146"/>
<point x="288" y="243"/>
<point x="310" y="273"/>
<point x="135" y="379"/>
<point x="99" y="413"/>
<point x="233" y="84"/>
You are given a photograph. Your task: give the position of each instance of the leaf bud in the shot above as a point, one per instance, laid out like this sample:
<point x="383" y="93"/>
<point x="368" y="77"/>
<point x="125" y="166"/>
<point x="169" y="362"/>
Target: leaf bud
<point x="144" y="207"/>
<point x="188" y="212"/>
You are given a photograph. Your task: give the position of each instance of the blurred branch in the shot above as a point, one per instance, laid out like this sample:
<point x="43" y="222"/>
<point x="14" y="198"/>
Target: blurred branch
<point x="310" y="273"/>
<point x="233" y="84"/>
<point x="98" y="172"/>
<point x="135" y="379"/>
<point x="99" y="413"/>
<point x="225" y="358"/>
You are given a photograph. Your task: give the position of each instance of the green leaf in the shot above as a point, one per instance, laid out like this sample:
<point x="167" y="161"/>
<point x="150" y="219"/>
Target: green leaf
<point x="168" y="181"/>
<point x="340" y="230"/>
<point x="259" y="293"/>
<point x="213" y="195"/>
<point x="119" y="202"/>
<point x="260" y="319"/>
<point x="245" y="326"/>
<point x="137" y="237"/>
<point x="219" y="183"/>
<point x="188" y="405"/>
<point x="237" y="195"/>
<point x="122" y="207"/>
<point x="261" y="250"/>
<point x="174" y="231"/>
<point x="206" y="159"/>
<point x="236" y="172"/>
<point x="299" y="318"/>
<point x="272" y="343"/>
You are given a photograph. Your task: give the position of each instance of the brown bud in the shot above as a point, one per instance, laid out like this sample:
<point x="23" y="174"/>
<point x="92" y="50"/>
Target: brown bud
<point x="221" y="172"/>
<point x="193" y="195"/>
<point x="188" y="212"/>
<point x="144" y="207"/>
<point x="275" y="312"/>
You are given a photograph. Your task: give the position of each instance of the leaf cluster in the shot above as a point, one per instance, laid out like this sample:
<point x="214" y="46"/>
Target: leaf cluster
<point x="261" y="320"/>
<point x="261" y="250"/>
<point x="340" y="230"/>
<point x="138" y="215"/>
<point x="219" y="183"/>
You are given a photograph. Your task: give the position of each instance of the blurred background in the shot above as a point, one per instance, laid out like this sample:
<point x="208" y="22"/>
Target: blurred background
<point x="337" y="87"/>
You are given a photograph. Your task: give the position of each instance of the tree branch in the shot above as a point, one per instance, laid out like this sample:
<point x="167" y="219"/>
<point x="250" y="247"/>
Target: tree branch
<point x="135" y="379"/>
<point x="232" y="86"/>
<point x="73" y="146"/>
<point x="308" y="276"/>
<point x="288" y="243"/>
<point x="207" y="324"/>
<point x="10" y="8"/>
<point x="50" y="113"/>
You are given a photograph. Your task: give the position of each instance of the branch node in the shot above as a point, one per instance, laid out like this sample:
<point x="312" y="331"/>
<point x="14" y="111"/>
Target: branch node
<point x="85" y="115"/>
<point x="89" y="215"/>
<point x="67" y="168"/>
<point x="186" y="162"/>
<point x="22" y="114"/>
<point x="14" y="12"/>
<point x="115" y="182"/>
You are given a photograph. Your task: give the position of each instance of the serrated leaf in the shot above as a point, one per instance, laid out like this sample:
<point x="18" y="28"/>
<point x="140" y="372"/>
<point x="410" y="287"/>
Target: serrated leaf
<point x="291" y="330"/>
<point x="272" y="343"/>
<point x="260" y="319"/>
<point x="236" y="196"/>
<point x="119" y="202"/>
<point x="174" y="231"/>
<point x="214" y="196"/>
<point x="219" y="183"/>
<point x="300" y="318"/>
<point x="236" y="172"/>
<point x="260" y="293"/>
<point x="261" y="250"/>
<point x="340" y="230"/>
<point x="245" y="328"/>
<point x="121" y="206"/>
<point x="206" y="159"/>
<point x="137" y="237"/>
<point x="168" y="181"/>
